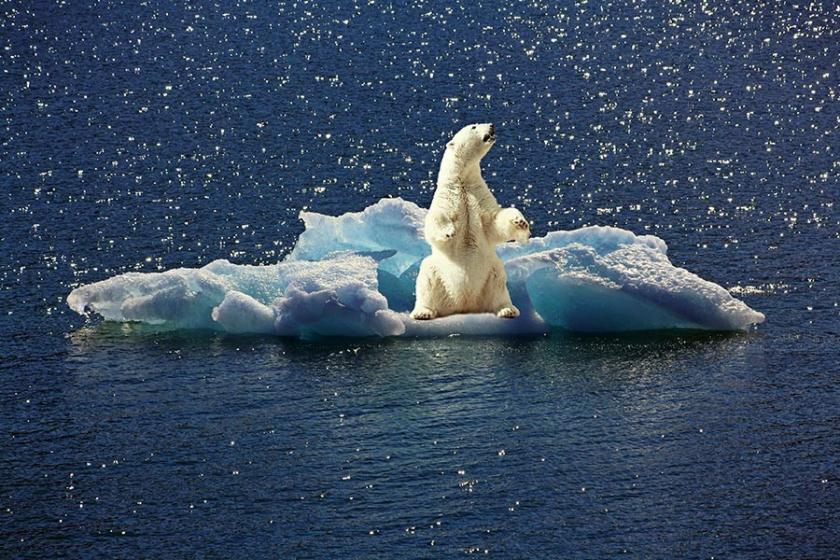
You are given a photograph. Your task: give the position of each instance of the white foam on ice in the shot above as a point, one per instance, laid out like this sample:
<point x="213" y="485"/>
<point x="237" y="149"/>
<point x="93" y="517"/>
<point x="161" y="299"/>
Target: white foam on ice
<point x="353" y="275"/>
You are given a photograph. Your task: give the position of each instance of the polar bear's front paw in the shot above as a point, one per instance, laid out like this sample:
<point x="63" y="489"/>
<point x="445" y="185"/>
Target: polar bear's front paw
<point x="513" y="225"/>
<point x="519" y="227"/>
<point x="520" y="223"/>
<point x="508" y="312"/>
<point x="423" y="314"/>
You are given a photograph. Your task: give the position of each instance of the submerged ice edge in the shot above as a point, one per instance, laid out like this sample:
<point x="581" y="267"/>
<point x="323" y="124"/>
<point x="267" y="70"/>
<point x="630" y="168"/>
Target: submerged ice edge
<point x="354" y="274"/>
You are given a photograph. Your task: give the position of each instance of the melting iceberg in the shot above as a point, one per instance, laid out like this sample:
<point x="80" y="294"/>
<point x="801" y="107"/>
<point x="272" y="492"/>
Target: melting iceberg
<point x="353" y="275"/>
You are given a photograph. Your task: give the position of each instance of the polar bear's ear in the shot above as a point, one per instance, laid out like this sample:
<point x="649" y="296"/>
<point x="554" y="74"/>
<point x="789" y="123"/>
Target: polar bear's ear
<point x="451" y="144"/>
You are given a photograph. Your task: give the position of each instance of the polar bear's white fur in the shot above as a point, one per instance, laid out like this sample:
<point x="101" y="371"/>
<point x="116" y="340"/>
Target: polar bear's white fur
<point x="464" y="224"/>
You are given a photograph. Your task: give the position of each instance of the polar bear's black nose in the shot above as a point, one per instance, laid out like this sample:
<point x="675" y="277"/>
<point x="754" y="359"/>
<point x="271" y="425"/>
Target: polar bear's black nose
<point x="492" y="130"/>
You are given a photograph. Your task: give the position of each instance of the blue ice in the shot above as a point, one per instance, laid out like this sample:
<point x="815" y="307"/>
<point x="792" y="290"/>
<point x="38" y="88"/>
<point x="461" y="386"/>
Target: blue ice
<point x="354" y="274"/>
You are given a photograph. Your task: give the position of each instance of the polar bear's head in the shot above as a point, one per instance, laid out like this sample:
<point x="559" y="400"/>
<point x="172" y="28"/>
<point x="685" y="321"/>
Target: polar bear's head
<point x="472" y="142"/>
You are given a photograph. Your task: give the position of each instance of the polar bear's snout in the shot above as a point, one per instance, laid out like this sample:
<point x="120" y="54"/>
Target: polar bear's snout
<point x="491" y="134"/>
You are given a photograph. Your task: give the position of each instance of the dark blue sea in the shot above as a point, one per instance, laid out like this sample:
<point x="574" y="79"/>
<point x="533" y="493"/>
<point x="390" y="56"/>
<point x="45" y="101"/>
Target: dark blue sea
<point x="144" y="136"/>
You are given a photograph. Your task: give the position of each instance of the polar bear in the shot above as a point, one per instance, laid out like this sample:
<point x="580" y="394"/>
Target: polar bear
<point x="464" y="224"/>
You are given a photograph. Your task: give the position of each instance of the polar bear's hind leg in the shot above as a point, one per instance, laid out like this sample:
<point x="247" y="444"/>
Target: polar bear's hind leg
<point x="496" y="293"/>
<point x="431" y="295"/>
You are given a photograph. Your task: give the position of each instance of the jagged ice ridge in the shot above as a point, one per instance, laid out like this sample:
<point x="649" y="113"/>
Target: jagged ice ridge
<point x="354" y="274"/>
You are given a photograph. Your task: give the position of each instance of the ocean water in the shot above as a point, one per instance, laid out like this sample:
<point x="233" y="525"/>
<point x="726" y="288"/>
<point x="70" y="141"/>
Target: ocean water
<point x="143" y="137"/>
